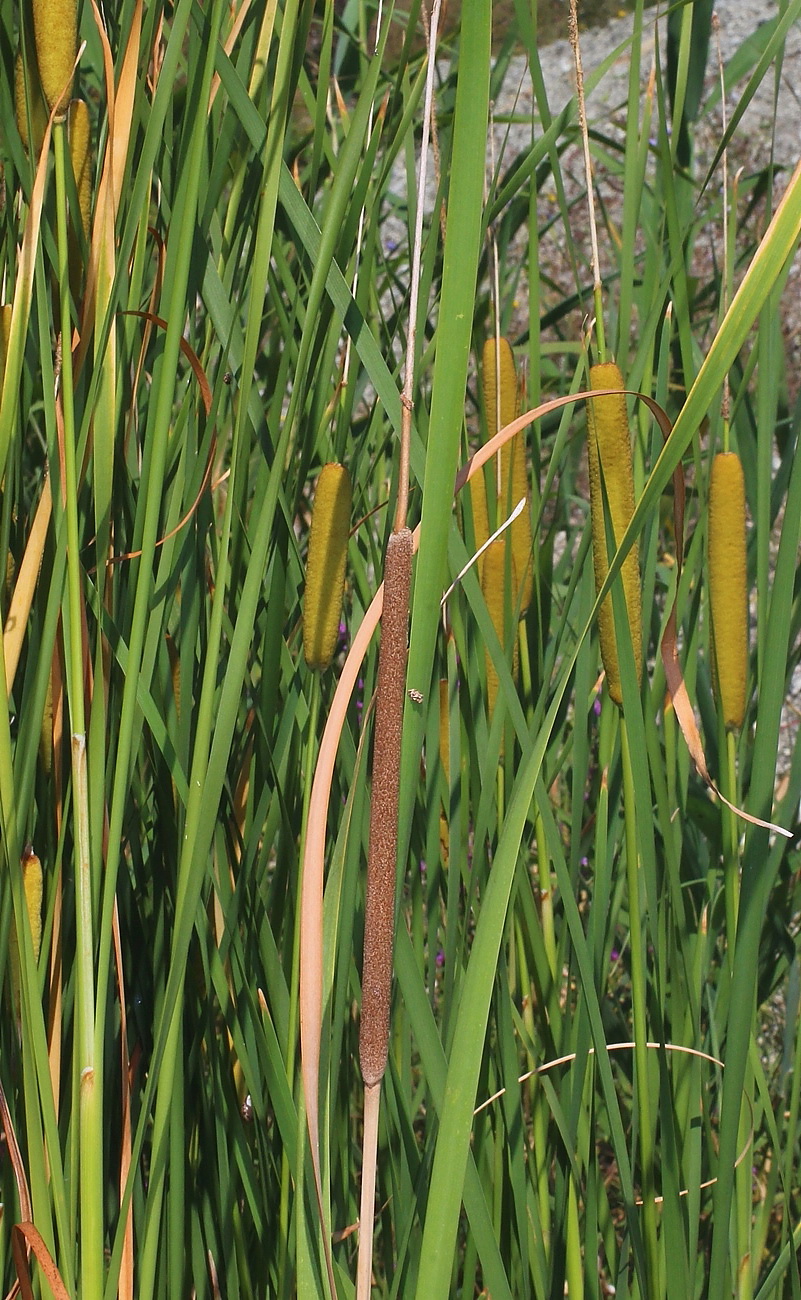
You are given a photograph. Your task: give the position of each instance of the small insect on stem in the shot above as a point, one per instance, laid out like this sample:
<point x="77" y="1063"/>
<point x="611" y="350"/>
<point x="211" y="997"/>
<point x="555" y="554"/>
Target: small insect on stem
<point x="417" y="696"/>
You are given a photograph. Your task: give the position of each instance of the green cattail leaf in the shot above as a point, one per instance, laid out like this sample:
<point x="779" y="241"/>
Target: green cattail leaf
<point x="325" y="566"/>
<point x="728" y="597"/>
<point x="609" y="452"/>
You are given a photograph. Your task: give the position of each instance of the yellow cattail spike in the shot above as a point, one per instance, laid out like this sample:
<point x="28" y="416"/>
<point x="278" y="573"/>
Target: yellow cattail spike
<point x="175" y="672"/>
<point x="325" y="566"/>
<point x="445" y="761"/>
<point x="493" y="585"/>
<point x="55" y="29"/>
<point x="11" y="573"/>
<point x="478" y="501"/>
<point x="32" y="884"/>
<point x="728" y="596"/>
<point x="36" y="105"/>
<point x="444" y="730"/>
<point x="46" y="736"/>
<point x="609" y="450"/>
<point x="502" y="363"/>
<point x="5" y="334"/>
<point x="79" y="130"/>
<point x="521" y="526"/>
<point x="514" y="476"/>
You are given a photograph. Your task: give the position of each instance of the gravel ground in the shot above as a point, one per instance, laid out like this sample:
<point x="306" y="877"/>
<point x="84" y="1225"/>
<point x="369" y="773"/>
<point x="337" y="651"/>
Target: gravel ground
<point x="606" y="108"/>
<point x="739" y="19"/>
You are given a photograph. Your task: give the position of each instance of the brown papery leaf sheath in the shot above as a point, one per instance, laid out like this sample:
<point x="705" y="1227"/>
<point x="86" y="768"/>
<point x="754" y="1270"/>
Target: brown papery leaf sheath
<point x="379" y="920"/>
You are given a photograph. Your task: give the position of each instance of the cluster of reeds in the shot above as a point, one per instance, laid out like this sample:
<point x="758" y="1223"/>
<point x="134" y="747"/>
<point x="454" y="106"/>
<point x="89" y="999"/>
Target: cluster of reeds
<point x="464" y="845"/>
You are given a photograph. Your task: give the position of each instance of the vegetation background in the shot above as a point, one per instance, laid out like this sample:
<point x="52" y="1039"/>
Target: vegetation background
<point x="232" y="269"/>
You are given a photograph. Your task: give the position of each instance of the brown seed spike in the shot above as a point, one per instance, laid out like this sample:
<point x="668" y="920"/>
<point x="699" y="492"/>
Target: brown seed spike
<point x="379" y="916"/>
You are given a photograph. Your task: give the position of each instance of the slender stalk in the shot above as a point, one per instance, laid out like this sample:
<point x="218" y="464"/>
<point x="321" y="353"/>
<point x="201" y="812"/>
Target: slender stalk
<point x="292" y="1034"/>
<point x="372" y="1104"/>
<point x="743" y="1269"/>
<point x="597" y="287"/>
<point x="637" y="927"/>
<point x="91" y="1085"/>
<point x="379" y="909"/>
<point x="731" y="856"/>
<point x="408" y="376"/>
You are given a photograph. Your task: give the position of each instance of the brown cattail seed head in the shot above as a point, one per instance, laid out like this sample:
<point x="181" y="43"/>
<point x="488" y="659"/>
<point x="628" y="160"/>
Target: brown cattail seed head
<point x="55" y="28"/>
<point x="609" y="452"/>
<point x="727" y="585"/>
<point x="79" y="130"/>
<point x="379" y="912"/>
<point x="325" y="566"/>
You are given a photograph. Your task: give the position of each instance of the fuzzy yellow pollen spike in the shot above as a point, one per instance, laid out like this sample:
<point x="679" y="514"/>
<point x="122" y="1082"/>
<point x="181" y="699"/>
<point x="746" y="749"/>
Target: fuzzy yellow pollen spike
<point x="55" y="28"/>
<point x="728" y="595"/>
<point x="325" y="566"/>
<point x="493" y="584"/>
<point x="500" y="364"/>
<point x="609" y="455"/>
<point x="33" y="886"/>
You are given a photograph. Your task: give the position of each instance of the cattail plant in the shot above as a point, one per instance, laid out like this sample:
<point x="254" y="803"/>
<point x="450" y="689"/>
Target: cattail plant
<point x="33" y="103"/>
<point x="379" y="916"/>
<point x="5" y="332"/>
<point x="325" y="566"/>
<point x="512" y="478"/>
<point x="79" y="139"/>
<point x="55" y="26"/>
<point x="445" y="762"/>
<point x="610" y="467"/>
<point x="379" y="910"/>
<point x="727" y="586"/>
<point x="493" y="585"/>
<point x="79" y="129"/>
<point x="32" y="884"/>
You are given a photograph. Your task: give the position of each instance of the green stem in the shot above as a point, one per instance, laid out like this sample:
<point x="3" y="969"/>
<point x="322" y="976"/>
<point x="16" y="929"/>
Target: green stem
<point x="637" y="923"/>
<point x="292" y="1032"/>
<point x="731" y="885"/>
<point x="731" y="856"/>
<point x="600" y="336"/>
<point x="91" y="1085"/>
